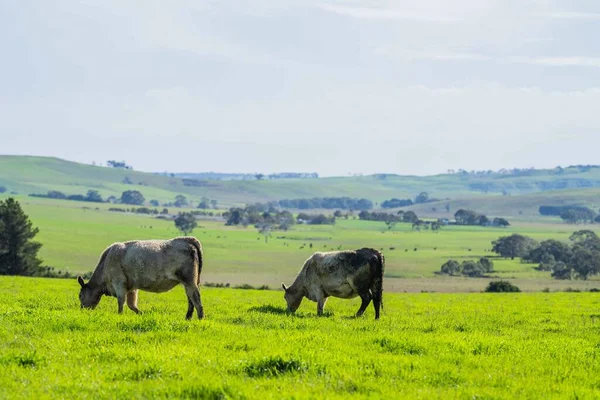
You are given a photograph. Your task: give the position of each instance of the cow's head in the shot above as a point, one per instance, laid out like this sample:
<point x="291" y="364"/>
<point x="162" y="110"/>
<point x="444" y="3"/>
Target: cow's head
<point x="88" y="297"/>
<point x="292" y="297"/>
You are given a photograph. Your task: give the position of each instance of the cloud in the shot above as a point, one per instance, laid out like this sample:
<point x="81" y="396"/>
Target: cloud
<point x="593" y="62"/>
<point x="385" y="14"/>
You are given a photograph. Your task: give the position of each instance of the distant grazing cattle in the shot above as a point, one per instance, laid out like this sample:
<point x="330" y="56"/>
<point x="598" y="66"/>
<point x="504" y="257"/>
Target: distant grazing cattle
<point x="344" y="274"/>
<point x="150" y="265"/>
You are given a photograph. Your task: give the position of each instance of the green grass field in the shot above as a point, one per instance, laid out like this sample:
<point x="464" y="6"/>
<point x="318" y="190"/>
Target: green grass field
<point x="74" y="235"/>
<point x="526" y="345"/>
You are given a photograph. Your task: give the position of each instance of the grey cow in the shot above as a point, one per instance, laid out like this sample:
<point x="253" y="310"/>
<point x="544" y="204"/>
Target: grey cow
<point x="150" y="265"/>
<point x="344" y="274"/>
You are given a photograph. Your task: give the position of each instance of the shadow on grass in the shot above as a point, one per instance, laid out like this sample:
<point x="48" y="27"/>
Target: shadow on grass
<point x="269" y="309"/>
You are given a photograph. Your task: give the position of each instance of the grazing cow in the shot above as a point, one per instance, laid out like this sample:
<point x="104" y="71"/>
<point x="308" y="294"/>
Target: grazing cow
<point x="344" y="274"/>
<point x="150" y="265"/>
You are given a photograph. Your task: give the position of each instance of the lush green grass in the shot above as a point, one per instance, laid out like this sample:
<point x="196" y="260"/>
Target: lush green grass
<point x="39" y="174"/>
<point x="424" y="346"/>
<point x="74" y="236"/>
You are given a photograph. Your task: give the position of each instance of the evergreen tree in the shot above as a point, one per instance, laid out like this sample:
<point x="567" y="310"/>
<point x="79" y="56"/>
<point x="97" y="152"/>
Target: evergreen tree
<point x="18" y="253"/>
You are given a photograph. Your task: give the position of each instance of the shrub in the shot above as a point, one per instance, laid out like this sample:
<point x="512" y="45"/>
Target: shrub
<point x="451" y="267"/>
<point x="501" y="286"/>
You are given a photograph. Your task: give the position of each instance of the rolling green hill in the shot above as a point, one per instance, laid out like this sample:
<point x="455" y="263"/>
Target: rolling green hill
<point x="523" y="190"/>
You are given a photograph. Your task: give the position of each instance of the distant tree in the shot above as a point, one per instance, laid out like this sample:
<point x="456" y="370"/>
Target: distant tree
<point x="548" y="252"/>
<point x="472" y="269"/>
<point x="390" y="224"/>
<point x="447" y="206"/>
<point x="185" y="222"/>
<point x="94" y="196"/>
<point x="154" y="203"/>
<point x="132" y="197"/>
<point x="55" y="194"/>
<point x="465" y="217"/>
<point x="18" y="251"/>
<point x="395" y="203"/>
<point x="214" y="204"/>
<point x="585" y="238"/>
<point x="337" y="213"/>
<point x="2" y="189"/>
<point x="118" y="164"/>
<point x="204" y="203"/>
<point x="265" y="230"/>
<point x="423" y="197"/>
<point x="500" y="222"/>
<point x="111" y="199"/>
<point x="586" y="262"/>
<point x="486" y="264"/>
<point x="180" y="201"/>
<point x="561" y="270"/>
<point x="501" y="286"/>
<point x="513" y="246"/>
<point x="435" y="226"/>
<point x="451" y="267"/>
<point x="481" y="220"/>
<point x="235" y="216"/>
<point x="164" y="211"/>
<point x="259" y="177"/>
<point x="578" y="215"/>
<point x="410" y="217"/>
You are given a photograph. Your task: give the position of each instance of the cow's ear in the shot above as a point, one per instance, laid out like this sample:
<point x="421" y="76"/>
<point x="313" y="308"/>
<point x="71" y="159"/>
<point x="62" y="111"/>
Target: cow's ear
<point x="284" y="287"/>
<point x="80" y="280"/>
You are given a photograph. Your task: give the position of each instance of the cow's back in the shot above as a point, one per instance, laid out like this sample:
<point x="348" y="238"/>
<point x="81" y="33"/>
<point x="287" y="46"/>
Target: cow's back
<point x="153" y="265"/>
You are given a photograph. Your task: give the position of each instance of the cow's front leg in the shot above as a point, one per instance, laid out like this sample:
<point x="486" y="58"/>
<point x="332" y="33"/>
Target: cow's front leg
<point x="321" y="300"/>
<point x="121" y="294"/>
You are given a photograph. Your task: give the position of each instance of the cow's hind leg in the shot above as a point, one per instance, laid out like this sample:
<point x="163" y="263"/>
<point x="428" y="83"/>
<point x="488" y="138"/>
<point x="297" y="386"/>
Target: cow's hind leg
<point x="193" y="294"/>
<point x="132" y="298"/>
<point x="190" y="310"/>
<point x="365" y="296"/>
<point x="377" y="298"/>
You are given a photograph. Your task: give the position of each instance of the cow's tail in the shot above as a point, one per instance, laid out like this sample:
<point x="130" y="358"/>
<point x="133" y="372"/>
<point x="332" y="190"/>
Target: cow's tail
<point x="377" y="287"/>
<point x="194" y="242"/>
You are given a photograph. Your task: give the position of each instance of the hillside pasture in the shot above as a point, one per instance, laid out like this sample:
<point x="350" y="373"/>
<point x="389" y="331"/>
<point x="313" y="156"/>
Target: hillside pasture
<point x="74" y="235"/>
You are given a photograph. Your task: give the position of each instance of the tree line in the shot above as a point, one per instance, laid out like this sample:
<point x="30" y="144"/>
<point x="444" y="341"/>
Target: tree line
<point x="330" y="203"/>
<point x="571" y="214"/>
<point x="579" y="258"/>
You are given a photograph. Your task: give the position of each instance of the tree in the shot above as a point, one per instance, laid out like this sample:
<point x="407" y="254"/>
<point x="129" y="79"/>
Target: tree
<point x="465" y="217"/>
<point x="501" y="286"/>
<point x="132" y="197"/>
<point x="451" y="267"/>
<point x="94" y="196"/>
<point x="513" y="246"/>
<point x="486" y="264"/>
<point x="410" y="217"/>
<point x="578" y="215"/>
<point x="185" y="222"/>
<point x="18" y="252"/>
<point x="259" y="177"/>
<point x="500" y="222"/>
<point x="435" y="226"/>
<point x="204" y="203"/>
<point x="265" y="230"/>
<point x="2" y="189"/>
<point x="423" y="197"/>
<point x="562" y="271"/>
<point x="548" y="252"/>
<point x="235" y="216"/>
<point x="154" y="203"/>
<point x="180" y="201"/>
<point x="585" y="238"/>
<point x="214" y="204"/>
<point x="585" y="262"/>
<point x="472" y="269"/>
<point x="390" y="224"/>
<point x="337" y="213"/>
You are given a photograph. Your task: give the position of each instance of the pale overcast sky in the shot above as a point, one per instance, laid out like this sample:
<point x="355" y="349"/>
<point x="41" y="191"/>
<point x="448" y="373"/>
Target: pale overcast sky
<point x="409" y="87"/>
